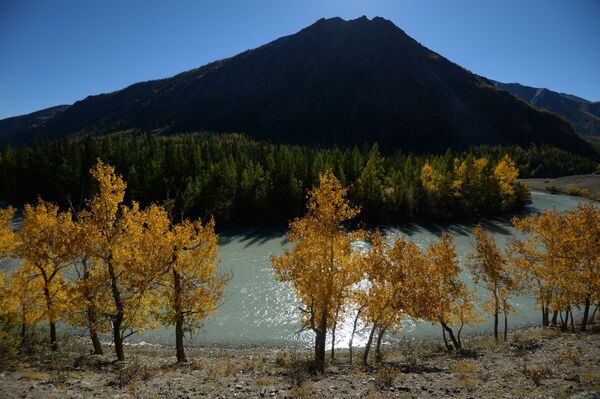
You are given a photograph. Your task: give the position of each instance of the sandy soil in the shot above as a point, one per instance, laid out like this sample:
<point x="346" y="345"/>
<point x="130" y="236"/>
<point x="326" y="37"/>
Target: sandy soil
<point x="532" y="364"/>
<point x="567" y="184"/>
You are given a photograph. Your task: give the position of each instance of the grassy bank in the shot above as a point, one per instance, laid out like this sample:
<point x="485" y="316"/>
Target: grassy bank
<point x="532" y="363"/>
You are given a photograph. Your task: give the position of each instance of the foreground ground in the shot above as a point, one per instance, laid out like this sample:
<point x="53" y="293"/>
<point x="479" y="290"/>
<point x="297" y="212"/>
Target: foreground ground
<point x="532" y="364"/>
<point x="580" y="185"/>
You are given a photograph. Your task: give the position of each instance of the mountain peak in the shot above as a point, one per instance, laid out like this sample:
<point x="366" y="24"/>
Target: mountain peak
<point x="345" y="82"/>
<point x="362" y="21"/>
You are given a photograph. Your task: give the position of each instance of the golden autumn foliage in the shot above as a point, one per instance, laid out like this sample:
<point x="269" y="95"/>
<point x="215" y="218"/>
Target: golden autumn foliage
<point x="476" y="185"/>
<point x="190" y="289"/>
<point x="23" y="303"/>
<point x="322" y="266"/>
<point x="110" y="266"/>
<point x="137" y="254"/>
<point x="560" y="256"/>
<point x="44" y="243"/>
<point x="405" y="281"/>
<point x="380" y="297"/>
<point x="450" y="299"/>
<point x="506" y="173"/>
<point x="6" y="233"/>
<point x="490" y="270"/>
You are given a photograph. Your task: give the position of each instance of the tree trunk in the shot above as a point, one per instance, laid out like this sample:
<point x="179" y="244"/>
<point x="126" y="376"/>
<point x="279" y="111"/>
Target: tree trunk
<point x="544" y="316"/>
<point x="496" y="323"/>
<point x="51" y="322"/>
<point x="320" y="342"/>
<point x="368" y="345"/>
<point x="563" y="323"/>
<point x="572" y="322"/>
<point x="555" y="318"/>
<point x="23" y="325"/>
<point x="178" y="318"/>
<point x="53" y="341"/>
<point x="445" y="339"/>
<point x="119" y="316"/>
<point x="586" y="313"/>
<point x="462" y="324"/>
<point x="378" y="354"/>
<point x="353" y="331"/>
<point x="91" y="313"/>
<point x="594" y="313"/>
<point x="333" y="339"/>
<point x="505" y="326"/>
<point x="455" y="342"/>
<point x="96" y="342"/>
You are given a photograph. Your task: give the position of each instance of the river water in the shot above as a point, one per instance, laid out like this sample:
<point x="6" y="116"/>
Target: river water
<point x="258" y="310"/>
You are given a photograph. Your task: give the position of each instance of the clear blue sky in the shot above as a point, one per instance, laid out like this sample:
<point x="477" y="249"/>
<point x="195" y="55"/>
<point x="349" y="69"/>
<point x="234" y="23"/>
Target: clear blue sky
<point x="59" y="51"/>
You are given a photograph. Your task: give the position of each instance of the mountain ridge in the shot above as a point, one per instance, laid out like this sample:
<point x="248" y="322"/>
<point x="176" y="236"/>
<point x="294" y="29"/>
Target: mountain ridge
<point x="333" y="82"/>
<point x="583" y="114"/>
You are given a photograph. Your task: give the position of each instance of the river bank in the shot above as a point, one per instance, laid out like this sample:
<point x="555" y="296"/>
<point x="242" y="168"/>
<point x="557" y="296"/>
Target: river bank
<point x="587" y="186"/>
<point x="533" y="363"/>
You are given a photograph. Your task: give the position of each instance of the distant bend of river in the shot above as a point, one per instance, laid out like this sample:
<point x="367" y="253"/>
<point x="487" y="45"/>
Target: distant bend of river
<point x="258" y="310"/>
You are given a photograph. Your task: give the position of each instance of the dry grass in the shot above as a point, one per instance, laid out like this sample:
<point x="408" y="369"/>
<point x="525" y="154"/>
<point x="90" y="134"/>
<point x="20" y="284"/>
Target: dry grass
<point x="305" y="391"/>
<point x="570" y="354"/>
<point x="536" y="373"/>
<point x="266" y="381"/>
<point x="464" y="371"/>
<point x="220" y="368"/>
<point x="35" y="375"/>
<point x="465" y="367"/>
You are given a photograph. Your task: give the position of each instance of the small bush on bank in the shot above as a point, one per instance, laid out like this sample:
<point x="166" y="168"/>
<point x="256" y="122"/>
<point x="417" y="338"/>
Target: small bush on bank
<point x="384" y="378"/>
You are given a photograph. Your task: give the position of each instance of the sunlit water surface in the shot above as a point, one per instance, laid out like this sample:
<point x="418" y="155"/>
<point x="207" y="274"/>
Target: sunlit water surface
<point x="258" y="310"/>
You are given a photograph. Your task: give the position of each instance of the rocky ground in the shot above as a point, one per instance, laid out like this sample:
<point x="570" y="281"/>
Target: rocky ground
<point x="532" y="364"/>
<point x="581" y="185"/>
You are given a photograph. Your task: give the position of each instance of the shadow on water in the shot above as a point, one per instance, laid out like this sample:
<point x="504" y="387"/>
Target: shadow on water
<point x="494" y="224"/>
<point x="252" y="236"/>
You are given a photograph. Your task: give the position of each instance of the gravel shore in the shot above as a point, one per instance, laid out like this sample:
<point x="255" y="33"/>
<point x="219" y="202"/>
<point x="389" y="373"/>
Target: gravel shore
<point x="573" y="185"/>
<point x="534" y="363"/>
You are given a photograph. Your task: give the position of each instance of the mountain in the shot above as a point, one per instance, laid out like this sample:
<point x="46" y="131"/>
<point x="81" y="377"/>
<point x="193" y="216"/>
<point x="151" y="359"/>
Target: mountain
<point x="583" y="114"/>
<point x="334" y="82"/>
<point x="9" y="127"/>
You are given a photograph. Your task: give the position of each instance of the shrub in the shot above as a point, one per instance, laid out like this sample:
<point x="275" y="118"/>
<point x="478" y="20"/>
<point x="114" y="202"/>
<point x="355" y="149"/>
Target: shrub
<point x="536" y="373"/>
<point x="130" y="372"/>
<point x="384" y="378"/>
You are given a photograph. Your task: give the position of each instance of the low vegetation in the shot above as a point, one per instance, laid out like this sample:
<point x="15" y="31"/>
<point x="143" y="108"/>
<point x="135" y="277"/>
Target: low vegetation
<point x="497" y="371"/>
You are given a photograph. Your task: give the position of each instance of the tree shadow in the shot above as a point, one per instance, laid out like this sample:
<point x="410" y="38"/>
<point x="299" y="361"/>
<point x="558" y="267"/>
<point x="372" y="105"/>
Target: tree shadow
<point x="252" y="236"/>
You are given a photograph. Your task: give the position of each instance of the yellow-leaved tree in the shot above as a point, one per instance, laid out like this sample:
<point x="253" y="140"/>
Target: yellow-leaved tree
<point x="534" y="256"/>
<point x="581" y="237"/>
<point x="89" y="294"/>
<point x="322" y="266"/>
<point x="124" y="240"/>
<point x="22" y="300"/>
<point x="491" y="271"/>
<point x="450" y="301"/>
<point x="381" y="299"/>
<point x="43" y="244"/>
<point x="7" y="237"/>
<point x="191" y="287"/>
